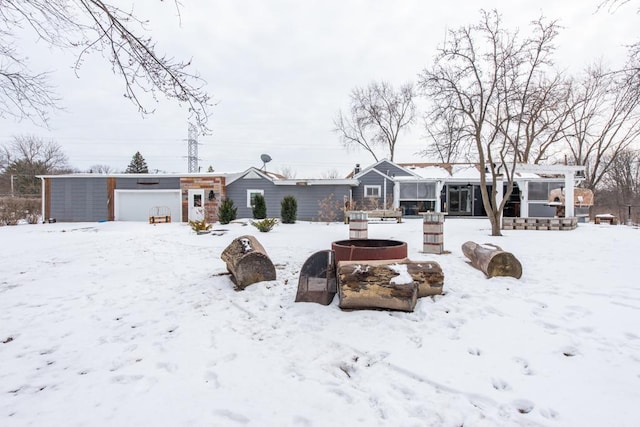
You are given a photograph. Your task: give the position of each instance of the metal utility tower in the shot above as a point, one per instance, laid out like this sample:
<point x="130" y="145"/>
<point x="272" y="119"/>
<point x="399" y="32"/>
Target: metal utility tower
<point x="192" y="156"/>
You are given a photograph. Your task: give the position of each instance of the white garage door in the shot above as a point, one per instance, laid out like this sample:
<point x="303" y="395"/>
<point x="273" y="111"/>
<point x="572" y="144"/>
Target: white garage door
<point x="134" y="205"/>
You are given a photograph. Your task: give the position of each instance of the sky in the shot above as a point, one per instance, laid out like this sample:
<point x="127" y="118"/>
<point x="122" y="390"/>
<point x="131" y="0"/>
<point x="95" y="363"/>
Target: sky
<point x="279" y="71"/>
<point x="132" y="324"/>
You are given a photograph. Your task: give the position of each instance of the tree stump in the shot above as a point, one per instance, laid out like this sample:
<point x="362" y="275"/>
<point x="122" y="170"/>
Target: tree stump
<point x="387" y="284"/>
<point x="492" y="260"/>
<point x="248" y="262"/>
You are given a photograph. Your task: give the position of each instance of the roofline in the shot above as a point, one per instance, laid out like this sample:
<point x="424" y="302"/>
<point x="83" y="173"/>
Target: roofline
<point x="137" y="175"/>
<point x="322" y="181"/>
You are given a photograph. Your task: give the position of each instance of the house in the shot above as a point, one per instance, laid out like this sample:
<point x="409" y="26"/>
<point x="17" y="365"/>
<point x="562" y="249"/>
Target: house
<point x="242" y="188"/>
<point x="454" y="188"/>
<point x="413" y="188"/>
<point x="130" y="197"/>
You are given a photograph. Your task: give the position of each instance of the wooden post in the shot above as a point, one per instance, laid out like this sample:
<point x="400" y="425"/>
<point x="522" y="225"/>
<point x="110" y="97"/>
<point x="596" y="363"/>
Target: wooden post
<point x="248" y="262"/>
<point x="492" y="260"/>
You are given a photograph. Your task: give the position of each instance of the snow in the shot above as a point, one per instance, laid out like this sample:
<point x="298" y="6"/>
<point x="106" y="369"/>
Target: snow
<point x="113" y="324"/>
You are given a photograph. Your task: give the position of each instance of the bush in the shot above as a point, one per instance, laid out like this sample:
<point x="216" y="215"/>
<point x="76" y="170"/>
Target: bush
<point x="330" y="209"/>
<point x="289" y="210"/>
<point x="265" y="225"/>
<point x="200" y="226"/>
<point x="14" y="209"/>
<point x="227" y="212"/>
<point x="259" y="207"/>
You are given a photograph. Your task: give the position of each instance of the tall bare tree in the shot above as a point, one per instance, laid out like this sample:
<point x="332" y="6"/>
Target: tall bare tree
<point x="28" y="156"/>
<point x="86" y="26"/>
<point x="605" y="121"/>
<point x="377" y="116"/>
<point x="485" y="76"/>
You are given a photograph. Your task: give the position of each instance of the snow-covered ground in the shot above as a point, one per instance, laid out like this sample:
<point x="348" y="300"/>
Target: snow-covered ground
<point x="131" y="324"/>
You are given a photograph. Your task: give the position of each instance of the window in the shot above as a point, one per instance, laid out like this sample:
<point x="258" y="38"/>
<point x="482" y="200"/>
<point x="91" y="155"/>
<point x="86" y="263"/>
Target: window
<point x="251" y="197"/>
<point x="371" y="191"/>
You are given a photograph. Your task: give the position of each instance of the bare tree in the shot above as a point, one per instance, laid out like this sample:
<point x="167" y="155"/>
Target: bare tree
<point x="620" y="188"/>
<point x="331" y="174"/>
<point x="86" y="26"/>
<point x="101" y="169"/>
<point x="605" y="122"/>
<point x="484" y="76"/>
<point x="288" y="172"/>
<point x="377" y="116"/>
<point x="29" y="156"/>
<point x="445" y="129"/>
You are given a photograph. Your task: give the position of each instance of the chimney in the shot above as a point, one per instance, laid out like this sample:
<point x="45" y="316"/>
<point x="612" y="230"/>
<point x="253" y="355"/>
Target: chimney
<point x="356" y="170"/>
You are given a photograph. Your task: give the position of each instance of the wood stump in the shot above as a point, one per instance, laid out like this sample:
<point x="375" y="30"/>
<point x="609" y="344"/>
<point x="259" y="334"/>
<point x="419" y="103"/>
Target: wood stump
<point x="248" y="262"/>
<point x="492" y="260"/>
<point x="387" y="284"/>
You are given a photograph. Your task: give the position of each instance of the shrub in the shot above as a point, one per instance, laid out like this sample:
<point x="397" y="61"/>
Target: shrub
<point x="265" y="225"/>
<point x="289" y="210"/>
<point x="330" y="209"/>
<point x="200" y="226"/>
<point x="227" y="211"/>
<point x="13" y="209"/>
<point x="259" y="207"/>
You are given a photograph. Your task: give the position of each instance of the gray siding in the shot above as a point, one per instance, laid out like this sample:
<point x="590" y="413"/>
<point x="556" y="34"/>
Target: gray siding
<point x="78" y="199"/>
<point x="390" y="169"/>
<point x="307" y="197"/>
<point x="372" y="178"/>
<point x="150" y="183"/>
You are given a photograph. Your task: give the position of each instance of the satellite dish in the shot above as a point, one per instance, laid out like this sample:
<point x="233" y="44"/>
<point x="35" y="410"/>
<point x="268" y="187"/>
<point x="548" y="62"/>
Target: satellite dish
<point x="265" y="159"/>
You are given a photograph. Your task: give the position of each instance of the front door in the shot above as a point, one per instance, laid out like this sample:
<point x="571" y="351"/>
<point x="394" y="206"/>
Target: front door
<point x="196" y="205"/>
<point x="459" y="198"/>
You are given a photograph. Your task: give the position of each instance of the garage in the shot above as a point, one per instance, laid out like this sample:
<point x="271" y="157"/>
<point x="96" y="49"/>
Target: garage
<point x="134" y="205"/>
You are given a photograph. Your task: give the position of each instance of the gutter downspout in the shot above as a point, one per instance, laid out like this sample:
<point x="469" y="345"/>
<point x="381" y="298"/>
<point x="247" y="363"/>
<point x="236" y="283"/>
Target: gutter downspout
<point x="42" y="196"/>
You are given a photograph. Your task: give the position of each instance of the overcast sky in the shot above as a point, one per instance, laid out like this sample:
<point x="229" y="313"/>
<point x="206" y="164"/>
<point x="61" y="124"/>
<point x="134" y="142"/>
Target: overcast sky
<point x="280" y="71"/>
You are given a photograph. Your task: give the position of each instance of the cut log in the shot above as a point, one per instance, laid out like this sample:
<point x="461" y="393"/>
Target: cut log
<point x="387" y="284"/>
<point x="492" y="260"/>
<point x="248" y="262"/>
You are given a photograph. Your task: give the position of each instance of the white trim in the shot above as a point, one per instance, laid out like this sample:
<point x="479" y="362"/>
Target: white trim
<point x="250" y="192"/>
<point x="377" y="187"/>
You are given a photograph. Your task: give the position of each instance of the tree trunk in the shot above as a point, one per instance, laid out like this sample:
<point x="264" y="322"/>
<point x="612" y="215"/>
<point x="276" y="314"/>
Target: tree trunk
<point x="492" y="261"/>
<point x="248" y="262"/>
<point x="392" y="285"/>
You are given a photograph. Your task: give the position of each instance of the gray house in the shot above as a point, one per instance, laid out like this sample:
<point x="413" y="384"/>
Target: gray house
<point x="411" y="188"/>
<point x="242" y="187"/>
<point x="131" y="197"/>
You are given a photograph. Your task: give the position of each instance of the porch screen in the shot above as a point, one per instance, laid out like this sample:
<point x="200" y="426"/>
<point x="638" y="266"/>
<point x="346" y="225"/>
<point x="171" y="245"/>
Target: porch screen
<point x="417" y="191"/>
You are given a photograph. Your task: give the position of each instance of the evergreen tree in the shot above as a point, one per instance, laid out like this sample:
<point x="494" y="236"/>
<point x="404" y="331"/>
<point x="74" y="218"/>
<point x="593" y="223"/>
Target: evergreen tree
<point x="289" y="209"/>
<point x="210" y="169"/>
<point x="227" y="212"/>
<point x="259" y="207"/>
<point x="138" y="164"/>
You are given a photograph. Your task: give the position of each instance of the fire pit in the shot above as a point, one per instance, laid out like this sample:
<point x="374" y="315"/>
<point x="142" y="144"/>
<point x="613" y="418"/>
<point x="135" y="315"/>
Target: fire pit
<point x="368" y="249"/>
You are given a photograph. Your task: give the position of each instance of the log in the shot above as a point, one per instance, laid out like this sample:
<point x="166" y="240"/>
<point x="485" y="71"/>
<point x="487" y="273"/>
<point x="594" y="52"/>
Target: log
<point x="387" y="284"/>
<point x="492" y="260"/>
<point x="248" y="262"/>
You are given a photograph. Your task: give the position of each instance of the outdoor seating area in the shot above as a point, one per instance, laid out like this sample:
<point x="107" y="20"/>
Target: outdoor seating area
<point x="159" y="214"/>
<point x="385" y="214"/>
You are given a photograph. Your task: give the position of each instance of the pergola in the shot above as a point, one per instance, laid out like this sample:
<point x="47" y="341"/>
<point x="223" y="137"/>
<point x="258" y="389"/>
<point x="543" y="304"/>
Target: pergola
<point x="569" y="173"/>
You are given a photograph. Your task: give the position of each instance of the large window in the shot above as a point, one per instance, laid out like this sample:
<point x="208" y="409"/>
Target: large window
<point x="417" y="191"/>
<point x="539" y="191"/>
<point x="417" y="197"/>
<point x="251" y="197"/>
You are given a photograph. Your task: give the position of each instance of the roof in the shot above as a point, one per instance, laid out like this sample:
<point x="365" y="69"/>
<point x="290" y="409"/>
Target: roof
<point x="136" y="175"/>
